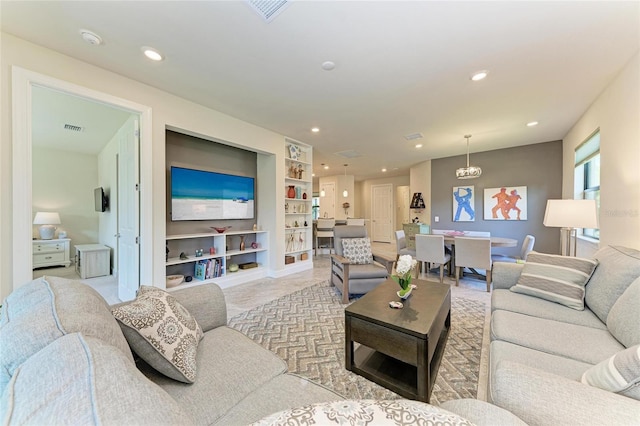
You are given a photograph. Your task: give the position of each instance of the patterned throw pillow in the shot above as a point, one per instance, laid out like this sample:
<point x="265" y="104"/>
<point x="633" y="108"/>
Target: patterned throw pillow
<point x="357" y="250"/>
<point x="559" y="279"/>
<point x="162" y="332"/>
<point x="619" y="374"/>
<point x="366" y="412"/>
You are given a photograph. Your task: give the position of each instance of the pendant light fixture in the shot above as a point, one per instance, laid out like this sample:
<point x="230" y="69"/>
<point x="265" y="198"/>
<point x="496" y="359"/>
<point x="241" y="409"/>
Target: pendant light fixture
<point x="469" y="172"/>
<point x="345" y="193"/>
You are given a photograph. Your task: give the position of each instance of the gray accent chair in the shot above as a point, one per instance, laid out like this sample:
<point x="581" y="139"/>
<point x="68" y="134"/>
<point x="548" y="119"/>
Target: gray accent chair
<point x="351" y="278"/>
<point x="401" y="245"/>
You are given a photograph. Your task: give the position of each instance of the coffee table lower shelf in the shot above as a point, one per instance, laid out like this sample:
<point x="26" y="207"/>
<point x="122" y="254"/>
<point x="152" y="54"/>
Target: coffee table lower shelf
<point x="396" y="375"/>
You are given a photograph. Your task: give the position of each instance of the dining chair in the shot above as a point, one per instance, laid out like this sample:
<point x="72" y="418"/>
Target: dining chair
<point x="355" y="221"/>
<point x="527" y="247"/>
<point x="430" y="249"/>
<point x="324" y="229"/>
<point x="401" y="245"/>
<point x="472" y="252"/>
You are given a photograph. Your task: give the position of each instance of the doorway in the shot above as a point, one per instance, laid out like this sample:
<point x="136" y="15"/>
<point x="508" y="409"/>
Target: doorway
<point x="381" y="212"/>
<point x="24" y="84"/>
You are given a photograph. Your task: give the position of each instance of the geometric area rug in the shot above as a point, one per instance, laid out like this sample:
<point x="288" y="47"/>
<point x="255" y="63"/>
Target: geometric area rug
<point x="306" y="329"/>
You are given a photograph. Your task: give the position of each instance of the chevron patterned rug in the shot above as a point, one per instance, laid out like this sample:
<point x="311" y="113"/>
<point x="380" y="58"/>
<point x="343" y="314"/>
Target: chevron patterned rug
<point x="306" y="329"/>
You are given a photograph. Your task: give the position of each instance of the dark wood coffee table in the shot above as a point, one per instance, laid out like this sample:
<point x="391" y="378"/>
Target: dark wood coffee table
<point x="399" y="349"/>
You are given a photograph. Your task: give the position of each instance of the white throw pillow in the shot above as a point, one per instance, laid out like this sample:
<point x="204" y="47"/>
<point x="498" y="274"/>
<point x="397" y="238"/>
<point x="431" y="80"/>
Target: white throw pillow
<point x="619" y="373"/>
<point x="357" y="250"/>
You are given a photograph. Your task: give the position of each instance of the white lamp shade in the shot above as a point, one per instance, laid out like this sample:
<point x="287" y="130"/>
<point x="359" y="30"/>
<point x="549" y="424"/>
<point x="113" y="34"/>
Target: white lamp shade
<point x="571" y="214"/>
<point x="47" y="218"/>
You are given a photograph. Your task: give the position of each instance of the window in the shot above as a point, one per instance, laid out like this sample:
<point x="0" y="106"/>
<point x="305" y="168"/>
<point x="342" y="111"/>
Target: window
<point x="587" y="175"/>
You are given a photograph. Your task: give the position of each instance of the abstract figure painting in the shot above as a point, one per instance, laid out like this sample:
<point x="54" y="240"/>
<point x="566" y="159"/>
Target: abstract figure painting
<point x="464" y="204"/>
<point x="505" y="203"/>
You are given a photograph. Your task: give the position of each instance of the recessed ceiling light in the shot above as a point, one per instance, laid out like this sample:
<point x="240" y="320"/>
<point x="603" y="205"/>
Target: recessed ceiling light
<point x="328" y="65"/>
<point x="532" y="123"/>
<point x="91" y="37"/>
<point x="419" y="145"/>
<point x="480" y="75"/>
<point x="315" y="129"/>
<point x="326" y="167"/>
<point x="152" y="53"/>
<point x="313" y="174"/>
<point x="384" y="170"/>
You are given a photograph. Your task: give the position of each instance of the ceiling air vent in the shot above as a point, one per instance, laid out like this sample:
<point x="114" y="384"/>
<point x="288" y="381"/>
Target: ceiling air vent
<point x="349" y="154"/>
<point x="413" y="136"/>
<point x="268" y="9"/>
<point x="73" y="128"/>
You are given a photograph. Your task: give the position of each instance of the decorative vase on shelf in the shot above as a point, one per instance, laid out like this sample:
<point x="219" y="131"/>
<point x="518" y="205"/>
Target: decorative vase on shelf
<point x="304" y="195"/>
<point x="292" y="192"/>
<point x="298" y="192"/>
<point x="241" y="242"/>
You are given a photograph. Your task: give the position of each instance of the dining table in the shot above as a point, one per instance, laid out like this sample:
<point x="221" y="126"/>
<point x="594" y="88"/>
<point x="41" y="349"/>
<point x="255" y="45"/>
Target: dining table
<point x="495" y="242"/>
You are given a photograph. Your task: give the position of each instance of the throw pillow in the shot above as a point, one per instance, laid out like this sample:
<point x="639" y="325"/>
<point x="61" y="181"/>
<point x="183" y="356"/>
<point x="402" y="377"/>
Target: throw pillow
<point x="559" y="279"/>
<point x="357" y="250"/>
<point x="619" y="374"/>
<point x="162" y="332"/>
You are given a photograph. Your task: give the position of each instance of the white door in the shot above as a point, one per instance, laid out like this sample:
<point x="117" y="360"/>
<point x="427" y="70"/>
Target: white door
<point x="381" y="212"/>
<point x="328" y="202"/>
<point x="128" y="205"/>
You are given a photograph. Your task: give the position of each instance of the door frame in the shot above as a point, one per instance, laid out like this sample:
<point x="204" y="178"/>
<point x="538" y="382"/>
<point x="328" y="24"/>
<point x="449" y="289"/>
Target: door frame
<point x="22" y="82"/>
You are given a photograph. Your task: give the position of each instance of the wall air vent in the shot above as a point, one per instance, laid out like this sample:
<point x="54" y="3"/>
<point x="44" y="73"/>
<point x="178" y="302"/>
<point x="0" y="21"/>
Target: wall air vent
<point x="268" y="9"/>
<point x="73" y="128"/>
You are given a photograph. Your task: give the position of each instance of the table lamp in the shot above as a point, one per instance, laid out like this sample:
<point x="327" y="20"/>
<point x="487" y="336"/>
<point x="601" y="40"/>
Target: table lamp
<point x="571" y="214"/>
<point x="47" y="220"/>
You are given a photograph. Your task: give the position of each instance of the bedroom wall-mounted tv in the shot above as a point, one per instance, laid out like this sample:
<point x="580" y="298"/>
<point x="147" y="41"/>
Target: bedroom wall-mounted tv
<point x="100" y="200"/>
<point x="204" y="195"/>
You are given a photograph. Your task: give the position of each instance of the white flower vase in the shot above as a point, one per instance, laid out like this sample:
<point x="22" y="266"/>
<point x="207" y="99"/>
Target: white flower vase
<point x="407" y="294"/>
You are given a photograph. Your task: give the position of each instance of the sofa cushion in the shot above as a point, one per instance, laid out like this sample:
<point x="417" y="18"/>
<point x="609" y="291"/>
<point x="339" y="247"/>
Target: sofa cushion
<point x="617" y="268"/>
<point x="559" y="279"/>
<point x="230" y="367"/>
<point x="366" y="411"/>
<point x="585" y="344"/>
<point x="46" y="309"/>
<point x="83" y="380"/>
<point x="620" y="373"/>
<point x="623" y="320"/>
<point x="280" y="393"/>
<point x="162" y="332"/>
<point x="482" y="413"/>
<point x="357" y="250"/>
<point x="505" y="300"/>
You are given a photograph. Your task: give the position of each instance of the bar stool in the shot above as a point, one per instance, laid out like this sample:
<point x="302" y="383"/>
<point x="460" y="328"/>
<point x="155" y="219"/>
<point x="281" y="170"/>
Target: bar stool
<point x="324" y="229"/>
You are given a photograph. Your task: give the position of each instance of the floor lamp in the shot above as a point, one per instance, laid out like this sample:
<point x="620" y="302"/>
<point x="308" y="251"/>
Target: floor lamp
<point x="571" y="214"/>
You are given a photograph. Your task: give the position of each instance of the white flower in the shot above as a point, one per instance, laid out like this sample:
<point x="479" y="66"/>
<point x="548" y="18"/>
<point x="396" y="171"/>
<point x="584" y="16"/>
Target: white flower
<point x="405" y="264"/>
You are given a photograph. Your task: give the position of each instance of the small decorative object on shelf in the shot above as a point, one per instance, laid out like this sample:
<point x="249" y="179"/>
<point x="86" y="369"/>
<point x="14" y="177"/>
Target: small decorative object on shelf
<point x="233" y="267"/>
<point x="241" y="242"/>
<point x="417" y="202"/>
<point x="254" y="245"/>
<point x="255" y="226"/>
<point x="404" y="269"/>
<point x="292" y="192"/>
<point x="286" y="207"/>
<point x="220" y="230"/>
<point x="300" y="170"/>
<point x="304" y="195"/>
<point x="199" y="252"/>
<point x="183" y="256"/>
<point x="294" y="151"/>
<point x="212" y="250"/>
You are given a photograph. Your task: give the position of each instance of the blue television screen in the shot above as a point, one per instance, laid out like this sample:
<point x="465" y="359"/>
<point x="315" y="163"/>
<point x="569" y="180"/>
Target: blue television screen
<point x="204" y="195"/>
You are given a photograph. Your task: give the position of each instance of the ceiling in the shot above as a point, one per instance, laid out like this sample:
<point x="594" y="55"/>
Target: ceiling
<point x="400" y="67"/>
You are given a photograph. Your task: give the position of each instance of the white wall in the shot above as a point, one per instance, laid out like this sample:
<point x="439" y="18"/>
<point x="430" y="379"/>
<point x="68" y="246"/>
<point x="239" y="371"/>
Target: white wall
<point x="617" y="113"/>
<point x="63" y="181"/>
<point x="168" y="111"/>
<point x="420" y="177"/>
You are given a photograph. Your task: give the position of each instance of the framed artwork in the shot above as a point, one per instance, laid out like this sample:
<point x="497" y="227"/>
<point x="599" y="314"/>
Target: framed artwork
<point x="463" y="204"/>
<point x="505" y="203"/>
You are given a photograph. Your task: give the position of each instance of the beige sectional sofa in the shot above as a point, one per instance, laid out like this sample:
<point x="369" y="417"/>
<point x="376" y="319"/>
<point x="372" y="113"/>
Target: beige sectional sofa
<point x="541" y="349"/>
<point x="64" y="359"/>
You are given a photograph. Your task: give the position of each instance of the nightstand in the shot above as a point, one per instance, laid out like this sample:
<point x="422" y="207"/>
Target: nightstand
<point x="92" y="260"/>
<point x="51" y="252"/>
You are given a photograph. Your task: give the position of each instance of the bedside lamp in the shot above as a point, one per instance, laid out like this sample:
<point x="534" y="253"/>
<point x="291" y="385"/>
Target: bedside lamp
<point x="47" y="220"/>
<point x="571" y="214"/>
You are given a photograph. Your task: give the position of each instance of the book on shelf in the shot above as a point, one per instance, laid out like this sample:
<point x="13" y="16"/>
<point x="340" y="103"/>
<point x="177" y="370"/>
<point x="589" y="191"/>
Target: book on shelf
<point x="208" y="269"/>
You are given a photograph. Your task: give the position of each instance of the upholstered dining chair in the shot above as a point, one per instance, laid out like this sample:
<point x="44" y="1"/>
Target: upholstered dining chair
<point x="401" y="245"/>
<point x="354" y="269"/>
<point x="472" y="252"/>
<point x="527" y="247"/>
<point x="324" y="229"/>
<point x="355" y="221"/>
<point x="430" y="249"/>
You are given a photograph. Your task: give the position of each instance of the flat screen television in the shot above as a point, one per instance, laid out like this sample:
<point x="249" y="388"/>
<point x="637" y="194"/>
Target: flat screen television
<point x="205" y="195"/>
<point x="100" y="200"/>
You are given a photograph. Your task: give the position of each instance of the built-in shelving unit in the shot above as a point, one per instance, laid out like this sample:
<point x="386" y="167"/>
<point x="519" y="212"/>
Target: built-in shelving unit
<point x="298" y="204"/>
<point x="222" y="249"/>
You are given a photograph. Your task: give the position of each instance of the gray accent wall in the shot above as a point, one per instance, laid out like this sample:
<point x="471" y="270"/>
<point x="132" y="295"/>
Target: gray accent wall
<point x="537" y="166"/>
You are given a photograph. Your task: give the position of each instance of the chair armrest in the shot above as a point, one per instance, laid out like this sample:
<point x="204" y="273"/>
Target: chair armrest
<point x="206" y="303"/>
<point x="539" y="397"/>
<point x="336" y="258"/>
<point x="384" y="261"/>
<point x="505" y="275"/>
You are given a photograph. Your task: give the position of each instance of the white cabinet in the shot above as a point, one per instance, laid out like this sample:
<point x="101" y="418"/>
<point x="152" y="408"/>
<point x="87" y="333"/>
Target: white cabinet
<point x="216" y="252"/>
<point x="93" y="260"/>
<point x="298" y="204"/>
<point x="51" y="252"/>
